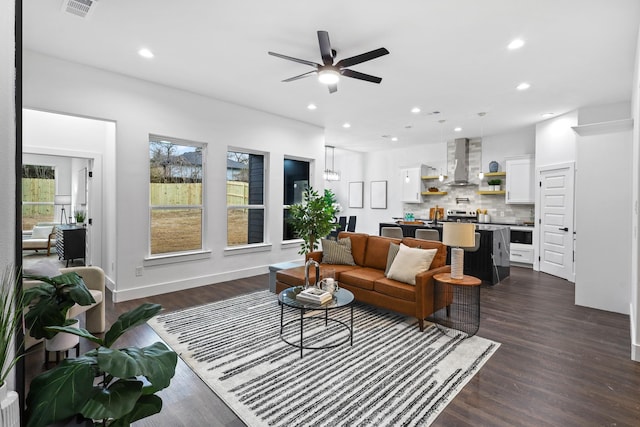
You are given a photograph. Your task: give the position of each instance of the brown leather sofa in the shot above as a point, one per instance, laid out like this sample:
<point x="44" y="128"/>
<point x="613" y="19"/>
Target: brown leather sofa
<point x="367" y="280"/>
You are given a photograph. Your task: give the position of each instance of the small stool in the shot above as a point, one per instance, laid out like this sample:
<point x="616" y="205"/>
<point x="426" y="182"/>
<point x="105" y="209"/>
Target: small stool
<point x="58" y="354"/>
<point x="461" y="300"/>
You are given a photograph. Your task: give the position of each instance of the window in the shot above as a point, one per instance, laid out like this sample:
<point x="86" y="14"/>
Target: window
<point x="296" y="179"/>
<point x="245" y="198"/>
<point x="38" y="192"/>
<point x="176" y="175"/>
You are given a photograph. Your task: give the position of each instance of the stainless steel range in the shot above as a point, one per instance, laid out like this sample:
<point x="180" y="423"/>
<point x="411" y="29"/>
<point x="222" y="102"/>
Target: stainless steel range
<point x="462" y="215"/>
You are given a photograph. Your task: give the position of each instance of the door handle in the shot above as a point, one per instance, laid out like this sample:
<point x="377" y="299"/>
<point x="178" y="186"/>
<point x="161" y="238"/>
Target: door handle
<point x="563" y="229"/>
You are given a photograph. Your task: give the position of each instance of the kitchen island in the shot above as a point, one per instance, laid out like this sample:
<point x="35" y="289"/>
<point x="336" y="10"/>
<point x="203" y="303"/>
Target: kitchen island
<point x="490" y="263"/>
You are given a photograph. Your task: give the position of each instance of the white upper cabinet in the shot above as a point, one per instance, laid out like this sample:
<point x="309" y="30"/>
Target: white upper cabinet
<point x="520" y="180"/>
<point x="411" y="179"/>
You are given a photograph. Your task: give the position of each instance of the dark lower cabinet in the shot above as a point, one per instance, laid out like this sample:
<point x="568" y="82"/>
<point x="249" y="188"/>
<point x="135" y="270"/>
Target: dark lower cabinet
<point x="70" y="242"/>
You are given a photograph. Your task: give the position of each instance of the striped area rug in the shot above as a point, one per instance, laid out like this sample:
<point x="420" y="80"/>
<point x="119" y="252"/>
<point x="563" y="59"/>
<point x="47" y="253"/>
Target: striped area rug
<point x="392" y="375"/>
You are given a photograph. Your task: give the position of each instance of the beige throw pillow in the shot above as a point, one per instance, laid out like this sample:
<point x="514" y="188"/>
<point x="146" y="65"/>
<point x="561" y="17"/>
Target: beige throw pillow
<point x="391" y="256"/>
<point x="409" y="262"/>
<point x="337" y="252"/>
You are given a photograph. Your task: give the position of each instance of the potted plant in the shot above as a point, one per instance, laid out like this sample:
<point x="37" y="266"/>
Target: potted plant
<point x="10" y="319"/>
<point x="105" y="386"/>
<point x="313" y="218"/>
<point x="80" y="216"/>
<point x="49" y="302"/>
<point x="495" y="184"/>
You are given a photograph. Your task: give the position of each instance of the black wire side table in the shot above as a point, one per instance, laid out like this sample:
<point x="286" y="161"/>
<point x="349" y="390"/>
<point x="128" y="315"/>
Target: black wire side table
<point x="460" y="302"/>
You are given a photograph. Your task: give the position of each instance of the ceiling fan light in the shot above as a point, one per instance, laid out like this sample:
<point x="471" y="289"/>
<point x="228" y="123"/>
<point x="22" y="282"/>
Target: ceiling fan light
<point x="328" y="77"/>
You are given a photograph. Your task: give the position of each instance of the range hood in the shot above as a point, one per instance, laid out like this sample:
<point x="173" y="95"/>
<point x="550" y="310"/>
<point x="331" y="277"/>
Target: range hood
<point x="461" y="164"/>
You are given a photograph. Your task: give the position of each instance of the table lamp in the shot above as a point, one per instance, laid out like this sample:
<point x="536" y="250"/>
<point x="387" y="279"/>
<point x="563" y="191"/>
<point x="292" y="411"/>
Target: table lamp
<point x="457" y="234"/>
<point x="62" y="200"/>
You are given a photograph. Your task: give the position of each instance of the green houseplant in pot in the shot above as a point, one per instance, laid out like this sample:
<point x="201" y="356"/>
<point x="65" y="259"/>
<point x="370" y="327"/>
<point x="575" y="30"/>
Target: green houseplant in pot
<point x="495" y="184"/>
<point x="314" y="218"/>
<point x="50" y="300"/>
<point x="105" y="386"/>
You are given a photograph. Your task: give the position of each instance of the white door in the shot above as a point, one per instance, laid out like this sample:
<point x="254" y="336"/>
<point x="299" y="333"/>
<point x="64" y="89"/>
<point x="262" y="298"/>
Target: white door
<point x="555" y="220"/>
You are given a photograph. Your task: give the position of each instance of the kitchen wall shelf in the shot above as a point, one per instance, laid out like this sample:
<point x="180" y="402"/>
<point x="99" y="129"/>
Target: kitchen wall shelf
<point x="432" y="177"/>
<point x="434" y="193"/>
<point x="495" y="174"/>
<point x="492" y="192"/>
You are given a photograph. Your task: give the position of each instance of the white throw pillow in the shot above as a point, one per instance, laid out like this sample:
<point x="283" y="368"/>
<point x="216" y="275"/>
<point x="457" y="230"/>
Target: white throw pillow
<point x="41" y="231"/>
<point x="409" y="262"/>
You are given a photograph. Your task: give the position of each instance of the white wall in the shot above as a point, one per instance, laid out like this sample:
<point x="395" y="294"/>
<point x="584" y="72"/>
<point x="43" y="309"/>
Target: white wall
<point x="139" y="108"/>
<point x="555" y="140"/>
<point x="635" y="245"/>
<point x="500" y="147"/>
<point x="8" y="137"/>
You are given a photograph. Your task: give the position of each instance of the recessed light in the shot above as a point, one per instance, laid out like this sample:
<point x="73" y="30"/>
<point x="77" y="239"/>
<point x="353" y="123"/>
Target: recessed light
<point x="523" y="86"/>
<point x="458" y="129"/>
<point x="346" y="125"/>
<point x="312" y="106"/>
<point x="515" y="44"/>
<point x="415" y="110"/>
<point x="145" y="53"/>
<point x="547" y="115"/>
<point x="394" y="139"/>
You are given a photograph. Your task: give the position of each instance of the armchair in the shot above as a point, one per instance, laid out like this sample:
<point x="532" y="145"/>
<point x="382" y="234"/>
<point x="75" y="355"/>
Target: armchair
<point x="42" y="237"/>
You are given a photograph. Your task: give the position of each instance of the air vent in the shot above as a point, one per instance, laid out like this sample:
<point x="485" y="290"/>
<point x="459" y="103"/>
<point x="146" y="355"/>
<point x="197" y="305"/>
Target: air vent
<point x="81" y="8"/>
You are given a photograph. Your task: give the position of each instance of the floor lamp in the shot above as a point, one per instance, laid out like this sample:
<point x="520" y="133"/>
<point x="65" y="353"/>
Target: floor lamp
<point x="457" y="234"/>
<point x="62" y="200"/>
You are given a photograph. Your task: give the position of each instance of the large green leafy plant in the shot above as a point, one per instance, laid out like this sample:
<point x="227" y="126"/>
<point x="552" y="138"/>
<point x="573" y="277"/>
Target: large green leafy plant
<point x="112" y="387"/>
<point x="314" y="218"/>
<point x="11" y="304"/>
<point x="50" y="301"/>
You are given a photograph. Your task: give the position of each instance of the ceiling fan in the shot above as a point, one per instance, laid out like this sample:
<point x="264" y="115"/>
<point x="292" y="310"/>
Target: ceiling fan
<point x="328" y="72"/>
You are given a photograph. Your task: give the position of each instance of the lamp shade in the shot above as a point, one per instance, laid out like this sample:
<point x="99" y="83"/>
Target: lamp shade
<point x="60" y="199"/>
<point x="459" y="234"/>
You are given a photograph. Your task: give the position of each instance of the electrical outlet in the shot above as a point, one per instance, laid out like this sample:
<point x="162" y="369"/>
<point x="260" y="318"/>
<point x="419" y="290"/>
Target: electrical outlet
<point x="501" y="213"/>
<point x="139" y="271"/>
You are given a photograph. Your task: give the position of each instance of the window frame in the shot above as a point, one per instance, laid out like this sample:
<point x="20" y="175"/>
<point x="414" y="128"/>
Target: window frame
<point x="294" y="242"/>
<point x="248" y="247"/>
<point x="189" y="254"/>
<point x="51" y="203"/>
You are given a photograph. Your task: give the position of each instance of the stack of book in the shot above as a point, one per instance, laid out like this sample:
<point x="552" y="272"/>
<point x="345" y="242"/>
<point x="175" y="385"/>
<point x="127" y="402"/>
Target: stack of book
<point x="314" y="295"/>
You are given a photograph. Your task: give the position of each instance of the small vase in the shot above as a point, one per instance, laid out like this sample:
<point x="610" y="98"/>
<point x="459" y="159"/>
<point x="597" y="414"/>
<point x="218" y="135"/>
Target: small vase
<point x="493" y="166"/>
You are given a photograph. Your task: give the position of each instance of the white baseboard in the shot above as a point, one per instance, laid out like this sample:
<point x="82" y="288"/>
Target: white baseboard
<point x="635" y="346"/>
<point x="180" y="285"/>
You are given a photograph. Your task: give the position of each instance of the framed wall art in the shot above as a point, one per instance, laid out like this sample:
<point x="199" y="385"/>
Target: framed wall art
<point x="356" y="190"/>
<point x="378" y="194"/>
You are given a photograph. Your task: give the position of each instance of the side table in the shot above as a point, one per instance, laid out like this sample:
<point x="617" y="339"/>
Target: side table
<point x="462" y="299"/>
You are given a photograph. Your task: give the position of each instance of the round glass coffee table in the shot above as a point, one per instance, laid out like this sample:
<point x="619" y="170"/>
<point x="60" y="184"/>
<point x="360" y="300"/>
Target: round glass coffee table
<point x="342" y="298"/>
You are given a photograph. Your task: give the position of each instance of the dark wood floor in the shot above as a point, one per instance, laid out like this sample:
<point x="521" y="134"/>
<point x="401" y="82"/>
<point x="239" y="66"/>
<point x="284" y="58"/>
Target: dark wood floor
<point x="559" y="364"/>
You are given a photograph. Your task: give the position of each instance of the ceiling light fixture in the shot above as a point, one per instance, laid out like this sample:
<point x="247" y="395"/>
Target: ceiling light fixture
<point x="330" y="174"/>
<point x="346" y="125"/>
<point x="523" y="86"/>
<point x="415" y="110"/>
<point x="145" y="53"/>
<point x="328" y="76"/>
<point x="458" y="129"/>
<point x="312" y="106"/>
<point x="515" y="44"/>
<point x="547" y="115"/>
<point x="394" y="139"/>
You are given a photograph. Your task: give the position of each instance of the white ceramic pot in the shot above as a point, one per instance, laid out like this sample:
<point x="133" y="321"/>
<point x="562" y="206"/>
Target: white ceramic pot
<point x="63" y="341"/>
<point x="10" y="407"/>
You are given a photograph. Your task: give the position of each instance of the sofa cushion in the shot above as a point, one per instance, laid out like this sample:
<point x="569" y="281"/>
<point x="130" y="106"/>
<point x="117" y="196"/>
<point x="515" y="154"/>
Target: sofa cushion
<point x="41" y="231"/>
<point x="377" y="250"/>
<point x="391" y="256"/>
<point x="358" y="245"/>
<point x="395" y="289"/>
<point x="409" y="262"/>
<point x="441" y="256"/>
<point x="361" y="278"/>
<point x="337" y="252"/>
<point x="295" y="276"/>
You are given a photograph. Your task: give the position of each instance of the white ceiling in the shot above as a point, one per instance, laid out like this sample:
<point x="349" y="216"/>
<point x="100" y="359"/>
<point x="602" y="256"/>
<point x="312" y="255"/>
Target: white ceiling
<point x="448" y="56"/>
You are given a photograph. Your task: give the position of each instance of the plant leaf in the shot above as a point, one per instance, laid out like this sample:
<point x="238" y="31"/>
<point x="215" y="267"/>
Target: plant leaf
<point x="60" y="392"/>
<point x="114" y="401"/>
<point x="145" y="407"/>
<point x="81" y="332"/>
<point x="129" y="320"/>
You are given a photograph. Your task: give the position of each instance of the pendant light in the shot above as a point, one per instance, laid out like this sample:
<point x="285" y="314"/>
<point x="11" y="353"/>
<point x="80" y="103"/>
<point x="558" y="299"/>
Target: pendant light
<point x="330" y="174"/>
<point x="481" y="114"/>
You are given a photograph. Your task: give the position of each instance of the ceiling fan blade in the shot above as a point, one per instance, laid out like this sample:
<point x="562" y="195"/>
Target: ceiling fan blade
<point x="301" y="76"/>
<point x="360" y="76"/>
<point x="290" y="58"/>
<point x="333" y="88"/>
<point x="348" y="62"/>
<point x="325" y="47"/>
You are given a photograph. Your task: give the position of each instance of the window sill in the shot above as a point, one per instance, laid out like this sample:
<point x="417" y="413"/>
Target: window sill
<point x="173" y="258"/>
<point x="291" y="244"/>
<point x="247" y="249"/>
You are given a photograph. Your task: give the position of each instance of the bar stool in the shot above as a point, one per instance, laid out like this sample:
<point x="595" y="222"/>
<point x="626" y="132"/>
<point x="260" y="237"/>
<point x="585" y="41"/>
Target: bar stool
<point x="427" y="234"/>
<point x="392" y="232"/>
